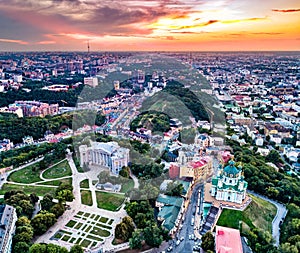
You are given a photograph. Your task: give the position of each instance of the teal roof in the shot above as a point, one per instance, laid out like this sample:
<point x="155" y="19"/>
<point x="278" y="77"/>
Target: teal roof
<point x="214" y="181"/>
<point x="169" y="214"/>
<point x="185" y="185"/>
<point x="230" y="169"/>
<point x="169" y="200"/>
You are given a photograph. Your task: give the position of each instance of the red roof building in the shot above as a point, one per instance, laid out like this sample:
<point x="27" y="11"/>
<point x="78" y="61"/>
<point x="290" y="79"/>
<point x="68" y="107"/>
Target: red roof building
<point x="174" y="171"/>
<point x="228" y="240"/>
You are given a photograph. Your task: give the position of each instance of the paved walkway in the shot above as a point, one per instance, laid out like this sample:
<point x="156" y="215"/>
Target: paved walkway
<point x="135" y="180"/>
<point x="76" y="206"/>
<point x="280" y="215"/>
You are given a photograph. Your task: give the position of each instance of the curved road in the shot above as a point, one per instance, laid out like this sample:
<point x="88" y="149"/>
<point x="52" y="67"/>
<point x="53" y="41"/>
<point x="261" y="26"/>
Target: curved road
<point x="280" y="215"/>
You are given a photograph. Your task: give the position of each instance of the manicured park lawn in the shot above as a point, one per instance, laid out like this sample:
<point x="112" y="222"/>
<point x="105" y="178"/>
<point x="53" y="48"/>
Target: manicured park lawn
<point x="28" y="189"/>
<point x="25" y="175"/>
<point x="259" y="213"/>
<point x="84" y="183"/>
<point x="57" y="182"/>
<point x="60" y="170"/>
<point x="100" y="232"/>
<point x="86" y="197"/>
<point x="109" y="201"/>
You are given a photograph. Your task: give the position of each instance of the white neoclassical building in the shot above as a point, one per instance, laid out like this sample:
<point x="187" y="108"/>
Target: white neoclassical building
<point x="109" y="155"/>
<point x="229" y="185"/>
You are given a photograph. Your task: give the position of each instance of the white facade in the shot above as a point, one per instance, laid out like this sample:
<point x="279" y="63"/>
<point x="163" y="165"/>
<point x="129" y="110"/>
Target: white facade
<point x="91" y="81"/>
<point x="18" y="78"/>
<point x="108" y="154"/>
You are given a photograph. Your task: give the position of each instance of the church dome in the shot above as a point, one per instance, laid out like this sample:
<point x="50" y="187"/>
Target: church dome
<point x="230" y="169"/>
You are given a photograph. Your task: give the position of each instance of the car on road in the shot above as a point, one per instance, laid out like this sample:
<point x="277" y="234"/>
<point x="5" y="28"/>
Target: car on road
<point x="192" y="222"/>
<point x="177" y="242"/>
<point x="182" y="238"/>
<point x="170" y="249"/>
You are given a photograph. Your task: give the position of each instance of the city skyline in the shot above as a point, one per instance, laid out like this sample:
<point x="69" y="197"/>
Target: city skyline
<point x="168" y="25"/>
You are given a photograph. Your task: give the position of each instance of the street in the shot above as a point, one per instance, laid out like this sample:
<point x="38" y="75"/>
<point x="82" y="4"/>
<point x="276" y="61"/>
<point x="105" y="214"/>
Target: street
<point x="186" y="245"/>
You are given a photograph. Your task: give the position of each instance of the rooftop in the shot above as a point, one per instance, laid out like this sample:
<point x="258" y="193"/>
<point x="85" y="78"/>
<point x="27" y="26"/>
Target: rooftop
<point x="228" y="240"/>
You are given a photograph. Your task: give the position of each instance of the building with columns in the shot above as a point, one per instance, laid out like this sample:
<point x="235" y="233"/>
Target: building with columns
<point x="109" y="155"/>
<point x="229" y="185"/>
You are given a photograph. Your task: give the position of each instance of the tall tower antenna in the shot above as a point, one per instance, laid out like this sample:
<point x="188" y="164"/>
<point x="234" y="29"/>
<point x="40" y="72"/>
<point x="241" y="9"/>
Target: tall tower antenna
<point x="88" y="46"/>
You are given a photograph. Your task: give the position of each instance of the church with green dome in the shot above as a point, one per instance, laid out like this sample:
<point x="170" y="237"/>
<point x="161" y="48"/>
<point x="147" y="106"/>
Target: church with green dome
<point x="229" y="185"/>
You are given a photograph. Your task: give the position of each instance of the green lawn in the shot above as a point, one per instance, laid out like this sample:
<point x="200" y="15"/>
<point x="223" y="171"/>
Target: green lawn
<point x="60" y="170"/>
<point x="71" y="223"/>
<point x="100" y="232"/>
<point x="127" y="186"/>
<point x="103" y="219"/>
<point x="85" y="243"/>
<point x="259" y="213"/>
<point x="109" y="201"/>
<point x="28" y="189"/>
<point x="84" y="184"/>
<point x="86" y="197"/>
<point x="57" y="182"/>
<point x="25" y="175"/>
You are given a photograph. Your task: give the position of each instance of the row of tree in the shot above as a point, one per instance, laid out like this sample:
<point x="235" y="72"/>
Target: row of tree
<point x="27" y="228"/>
<point x="276" y="185"/>
<point x="14" y="128"/>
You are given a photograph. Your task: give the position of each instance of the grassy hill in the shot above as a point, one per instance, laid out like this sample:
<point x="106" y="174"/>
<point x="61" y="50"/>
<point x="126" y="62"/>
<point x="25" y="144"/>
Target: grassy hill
<point x="259" y="213"/>
<point x="152" y="120"/>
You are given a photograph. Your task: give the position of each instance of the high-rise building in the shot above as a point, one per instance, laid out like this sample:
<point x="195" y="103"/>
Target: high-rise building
<point x="140" y="76"/>
<point x="7" y="227"/>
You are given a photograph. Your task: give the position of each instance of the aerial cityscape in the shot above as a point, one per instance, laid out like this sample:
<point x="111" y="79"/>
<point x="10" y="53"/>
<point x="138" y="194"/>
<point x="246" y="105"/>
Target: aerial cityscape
<point x="149" y="126"/>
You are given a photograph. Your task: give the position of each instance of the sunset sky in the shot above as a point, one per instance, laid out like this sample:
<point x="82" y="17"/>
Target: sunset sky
<point x="196" y="25"/>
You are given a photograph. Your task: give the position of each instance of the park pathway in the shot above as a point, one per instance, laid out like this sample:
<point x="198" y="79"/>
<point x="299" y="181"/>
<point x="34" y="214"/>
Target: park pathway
<point x="280" y="215"/>
<point x="76" y="206"/>
<point x="135" y="180"/>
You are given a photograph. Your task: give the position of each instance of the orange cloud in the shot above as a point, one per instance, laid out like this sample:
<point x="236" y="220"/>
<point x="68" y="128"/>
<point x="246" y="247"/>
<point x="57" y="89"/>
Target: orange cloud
<point x="22" y="42"/>
<point x="46" y="42"/>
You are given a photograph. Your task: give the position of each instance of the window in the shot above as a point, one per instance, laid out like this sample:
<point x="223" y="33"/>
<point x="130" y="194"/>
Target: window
<point x="228" y="197"/>
<point x="230" y="181"/>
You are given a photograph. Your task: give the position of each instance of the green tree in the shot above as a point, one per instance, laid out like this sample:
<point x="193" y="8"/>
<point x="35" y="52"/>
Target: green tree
<point x="135" y="242"/>
<point x="23" y="221"/>
<point x="21" y="247"/>
<point x="125" y="172"/>
<point x="274" y="157"/>
<point x="58" y="209"/>
<point x="76" y="249"/>
<point x="288" y="248"/>
<point x="47" y="202"/>
<point x="124" y="229"/>
<point x="23" y="234"/>
<point x="27" y="207"/>
<point x="42" y="221"/>
<point x="64" y="195"/>
<point x="152" y="235"/>
<point x="38" y="248"/>
<point x="208" y="242"/>
<point x="174" y="189"/>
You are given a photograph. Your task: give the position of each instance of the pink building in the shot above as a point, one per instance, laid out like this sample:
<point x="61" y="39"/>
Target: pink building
<point x="228" y="240"/>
